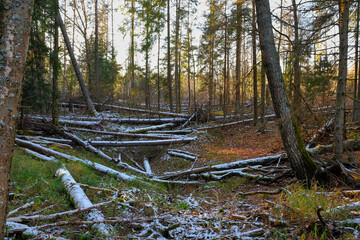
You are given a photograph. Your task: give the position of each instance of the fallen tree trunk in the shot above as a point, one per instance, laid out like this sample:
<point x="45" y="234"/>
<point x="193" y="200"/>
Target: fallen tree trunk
<point x="81" y="201"/>
<point x="88" y="121"/>
<point x="145" y="111"/>
<point x="97" y="166"/>
<point x="326" y="128"/>
<point x="124" y="134"/>
<point x="183" y="155"/>
<point x="157" y="127"/>
<point x="179" y="132"/>
<point x="268" y="117"/>
<point x="79" y="76"/>
<point x="141" y="143"/>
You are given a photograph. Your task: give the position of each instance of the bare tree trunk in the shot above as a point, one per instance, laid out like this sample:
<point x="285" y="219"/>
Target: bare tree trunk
<point x="253" y="38"/>
<point x="339" y="133"/>
<point x="238" y="56"/>
<point x="356" y="104"/>
<point x="301" y="162"/>
<point x="168" y="59"/>
<point x="55" y="66"/>
<point x="84" y="90"/>
<point x="132" y="53"/>
<point x="15" y="20"/>
<point x="226" y="92"/>
<point x="97" y="69"/>
<point x="297" y="71"/>
<point x="263" y="86"/>
<point x="177" y="80"/>
<point x="158" y="74"/>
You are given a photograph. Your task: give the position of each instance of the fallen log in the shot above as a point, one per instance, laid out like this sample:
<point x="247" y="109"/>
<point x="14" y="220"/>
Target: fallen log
<point x="81" y="201"/>
<point x="147" y="166"/>
<point x="40" y="156"/>
<point x="124" y="134"/>
<point x="233" y="165"/>
<point x="141" y="143"/>
<point x="91" y="121"/>
<point x="179" y="132"/>
<point x="97" y="166"/>
<point x="182" y="155"/>
<point x="239" y="172"/>
<point x="268" y="117"/>
<point x="323" y="130"/>
<point x="157" y="127"/>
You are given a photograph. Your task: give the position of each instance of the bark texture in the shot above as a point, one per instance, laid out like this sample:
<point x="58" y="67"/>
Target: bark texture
<point x="301" y="163"/>
<point x="14" y="38"/>
<point x="339" y="133"/>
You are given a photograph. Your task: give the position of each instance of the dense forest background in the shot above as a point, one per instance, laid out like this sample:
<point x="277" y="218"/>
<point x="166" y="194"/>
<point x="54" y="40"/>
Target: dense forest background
<point x="185" y="54"/>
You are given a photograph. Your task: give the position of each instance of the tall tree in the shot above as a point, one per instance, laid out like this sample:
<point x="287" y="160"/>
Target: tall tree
<point x="238" y="55"/>
<point x="254" y="64"/>
<point x="356" y="103"/>
<point x="56" y="67"/>
<point x="302" y="164"/>
<point x="339" y="134"/>
<point x="169" y="77"/>
<point x="177" y="75"/>
<point x="97" y="61"/>
<point x="15" y="22"/>
<point x="297" y="54"/>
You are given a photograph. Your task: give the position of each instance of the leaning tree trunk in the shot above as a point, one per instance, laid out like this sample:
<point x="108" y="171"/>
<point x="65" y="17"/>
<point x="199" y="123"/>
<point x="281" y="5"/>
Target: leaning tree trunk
<point x="339" y="133"/>
<point x="14" y="34"/>
<point x="83" y="87"/>
<point x="301" y="162"/>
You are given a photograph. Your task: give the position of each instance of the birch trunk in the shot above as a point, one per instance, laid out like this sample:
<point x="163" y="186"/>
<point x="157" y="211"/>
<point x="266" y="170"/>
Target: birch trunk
<point x="81" y="201"/>
<point x="14" y="34"/>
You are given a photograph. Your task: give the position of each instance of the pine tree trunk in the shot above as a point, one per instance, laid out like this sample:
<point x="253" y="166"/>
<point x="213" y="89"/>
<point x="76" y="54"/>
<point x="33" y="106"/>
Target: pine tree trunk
<point x="84" y="90"/>
<point x="238" y="57"/>
<point x="97" y="63"/>
<point x="15" y="20"/>
<point x="297" y="70"/>
<point x="55" y="66"/>
<point x="253" y="38"/>
<point x="302" y="164"/>
<point x="356" y="103"/>
<point x="177" y="80"/>
<point x="339" y="133"/>
<point x="169" y="58"/>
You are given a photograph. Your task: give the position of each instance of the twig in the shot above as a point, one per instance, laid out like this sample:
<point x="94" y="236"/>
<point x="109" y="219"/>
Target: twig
<point x="21" y="208"/>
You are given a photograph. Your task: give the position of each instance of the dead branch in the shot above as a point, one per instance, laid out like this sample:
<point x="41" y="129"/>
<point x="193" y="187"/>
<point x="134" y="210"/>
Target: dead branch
<point x="53" y="216"/>
<point x="26" y="205"/>
<point x="275" y="192"/>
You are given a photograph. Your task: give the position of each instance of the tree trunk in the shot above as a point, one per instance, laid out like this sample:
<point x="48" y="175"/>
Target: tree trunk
<point x="297" y="70"/>
<point x="14" y="34"/>
<point x="177" y="80"/>
<point x="263" y="86"/>
<point x="168" y="59"/>
<point x="302" y="164"/>
<point x="97" y="67"/>
<point x="132" y="53"/>
<point x="356" y="104"/>
<point x="253" y="38"/>
<point x="339" y="133"/>
<point x="238" y="56"/>
<point x="84" y="90"/>
<point x="55" y="66"/>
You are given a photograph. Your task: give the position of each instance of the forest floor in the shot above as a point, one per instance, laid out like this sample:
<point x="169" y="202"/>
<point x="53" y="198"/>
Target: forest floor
<point x="232" y="208"/>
